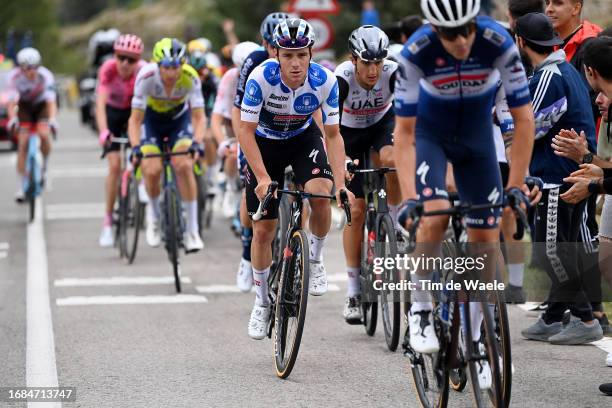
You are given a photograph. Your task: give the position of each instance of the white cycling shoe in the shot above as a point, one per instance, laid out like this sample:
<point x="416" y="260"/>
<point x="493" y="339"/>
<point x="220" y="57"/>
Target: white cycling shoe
<point x="258" y="322"/>
<point x="107" y="239"/>
<point x="423" y="338"/>
<point x="192" y="242"/>
<point x="317" y="284"/>
<point x="484" y="370"/>
<point x="244" y="278"/>
<point x="153" y="233"/>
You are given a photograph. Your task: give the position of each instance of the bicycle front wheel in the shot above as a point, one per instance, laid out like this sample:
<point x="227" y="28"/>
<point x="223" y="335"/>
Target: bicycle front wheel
<point x="172" y="232"/>
<point x="135" y="219"/>
<point x="30" y="192"/>
<point x="386" y="247"/>
<point x="291" y="302"/>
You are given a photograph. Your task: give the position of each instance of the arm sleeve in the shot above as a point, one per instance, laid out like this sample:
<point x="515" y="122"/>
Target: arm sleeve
<point x="513" y="77"/>
<point x="549" y="101"/>
<point x="252" y="101"/>
<point x="330" y="106"/>
<point x="343" y="90"/>
<point x="407" y="87"/>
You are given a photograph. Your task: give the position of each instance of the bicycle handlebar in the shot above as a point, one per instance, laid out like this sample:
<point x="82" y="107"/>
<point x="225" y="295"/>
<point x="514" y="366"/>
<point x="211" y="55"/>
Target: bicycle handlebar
<point x="351" y="167"/>
<point x="264" y="203"/>
<point x="113" y="139"/>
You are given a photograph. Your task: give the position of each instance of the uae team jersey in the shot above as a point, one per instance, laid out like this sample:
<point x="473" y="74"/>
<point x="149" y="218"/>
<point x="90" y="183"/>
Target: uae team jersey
<point x="362" y="108"/>
<point x="454" y="98"/>
<point x="281" y="112"/>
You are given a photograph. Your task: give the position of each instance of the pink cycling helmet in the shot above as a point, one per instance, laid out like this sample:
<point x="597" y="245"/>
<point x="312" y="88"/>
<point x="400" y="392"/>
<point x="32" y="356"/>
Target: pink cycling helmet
<point x="129" y="43"/>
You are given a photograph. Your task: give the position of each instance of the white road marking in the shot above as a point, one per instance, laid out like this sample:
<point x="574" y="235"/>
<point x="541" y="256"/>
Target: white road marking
<point x="41" y="369"/>
<point x="225" y="289"/>
<point x="77" y="172"/>
<point x="129" y="300"/>
<point x="4" y="246"/>
<point x="74" y="211"/>
<point x="119" y="281"/>
<point x="3" y="254"/>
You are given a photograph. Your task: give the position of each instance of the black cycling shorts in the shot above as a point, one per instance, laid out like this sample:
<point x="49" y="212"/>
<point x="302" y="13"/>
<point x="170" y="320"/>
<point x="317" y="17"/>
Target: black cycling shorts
<point x="504" y="169"/>
<point x="117" y="122"/>
<point x="305" y="153"/>
<point x="358" y="142"/>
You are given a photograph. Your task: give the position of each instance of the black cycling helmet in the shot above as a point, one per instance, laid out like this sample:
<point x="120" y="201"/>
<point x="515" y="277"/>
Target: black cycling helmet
<point x="369" y="43"/>
<point x="269" y="24"/>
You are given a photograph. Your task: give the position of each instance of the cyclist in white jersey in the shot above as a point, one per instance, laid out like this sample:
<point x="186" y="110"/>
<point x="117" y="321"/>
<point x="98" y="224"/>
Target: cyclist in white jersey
<point x="277" y="130"/>
<point x="366" y="83"/>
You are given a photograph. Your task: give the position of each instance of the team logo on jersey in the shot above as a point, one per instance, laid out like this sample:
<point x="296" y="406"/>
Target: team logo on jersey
<point x="272" y="73"/>
<point x="418" y="45"/>
<point x="316" y="76"/>
<point x="440" y="61"/>
<point x="332" y="99"/>
<point x="252" y="94"/>
<point x="306" y="103"/>
<point x="494" y="37"/>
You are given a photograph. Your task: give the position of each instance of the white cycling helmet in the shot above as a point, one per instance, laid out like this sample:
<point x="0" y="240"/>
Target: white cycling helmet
<point x="241" y="52"/>
<point x="450" y="13"/>
<point x="28" y="56"/>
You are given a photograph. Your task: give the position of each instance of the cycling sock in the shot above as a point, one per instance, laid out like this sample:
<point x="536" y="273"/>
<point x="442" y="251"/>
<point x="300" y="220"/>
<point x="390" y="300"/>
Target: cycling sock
<point x="354" y="287"/>
<point x="316" y="247"/>
<point x="515" y="274"/>
<point x="393" y="211"/>
<point x="154" y="206"/>
<point x="246" y="236"/>
<point x="192" y="215"/>
<point x="421" y="297"/>
<point x="108" y="219"/>
<point x="475" y="320"/>
<point x="260" y="279"/>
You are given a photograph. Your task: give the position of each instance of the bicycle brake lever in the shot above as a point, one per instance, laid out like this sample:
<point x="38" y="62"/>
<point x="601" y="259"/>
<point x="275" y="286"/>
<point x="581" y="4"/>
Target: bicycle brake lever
<point x="346" y="206"/>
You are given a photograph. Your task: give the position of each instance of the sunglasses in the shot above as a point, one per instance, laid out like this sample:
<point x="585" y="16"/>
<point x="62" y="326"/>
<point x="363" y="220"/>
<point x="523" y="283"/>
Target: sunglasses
<point x="289" y="43"/>
<point x="368" y="56"/>
<point x="170" y="63"/>
<point x="29" y="67"/>
<point x="124" y="58"/>
<point x="451" y="33"/>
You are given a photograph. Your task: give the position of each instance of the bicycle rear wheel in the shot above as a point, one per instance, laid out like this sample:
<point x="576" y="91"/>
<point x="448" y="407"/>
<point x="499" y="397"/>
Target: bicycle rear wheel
<point x="390" y="307"/>
<point x="369" y="304"/>
<point x="502" y="335"/>
<point x="135" y="219"/>
<point x="172" y="232"/>
<point x="30" y="192"/>
<point x="291" y="303"/>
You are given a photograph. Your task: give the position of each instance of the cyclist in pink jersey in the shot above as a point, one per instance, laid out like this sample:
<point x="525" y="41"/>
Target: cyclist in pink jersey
<point x="114" y="93"/>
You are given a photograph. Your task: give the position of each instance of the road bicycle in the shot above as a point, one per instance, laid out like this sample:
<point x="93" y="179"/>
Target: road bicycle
<point x="288" y="280"/>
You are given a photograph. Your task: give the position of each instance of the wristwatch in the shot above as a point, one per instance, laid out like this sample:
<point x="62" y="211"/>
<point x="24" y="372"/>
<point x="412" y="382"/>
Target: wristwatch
<point x="587" y="158"/>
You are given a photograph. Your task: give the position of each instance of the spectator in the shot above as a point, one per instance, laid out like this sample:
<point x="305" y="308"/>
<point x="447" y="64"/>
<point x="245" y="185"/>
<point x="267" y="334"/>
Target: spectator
<point x="518" y="8"/>
<point x="558" y="95"/>
<point x="369" y="14"/>
<point x="409" y="25"/>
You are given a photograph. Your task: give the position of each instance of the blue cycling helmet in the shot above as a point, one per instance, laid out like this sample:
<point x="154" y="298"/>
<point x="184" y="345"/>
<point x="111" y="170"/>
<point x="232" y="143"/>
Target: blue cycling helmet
<point x="269" y="23"/>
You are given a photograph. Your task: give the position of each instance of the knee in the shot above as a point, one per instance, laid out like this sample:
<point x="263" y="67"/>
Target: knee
<point x="151" y="169"/>
<point x="386" y="158"/>
<point x="114" y="168"/>
<point x="263" y="235"/>
<point x="183" y="165"/>
<point x="358" y="214"/>
<point x="319" y="205"/>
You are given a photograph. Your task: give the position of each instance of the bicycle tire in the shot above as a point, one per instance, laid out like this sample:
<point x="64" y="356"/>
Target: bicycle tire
<point x="390" y="309"/>
<point x="291" y="303"/>
<point x="282" y="226"/>
<point x="31" y="190"/>
<point x="502" y="332"/>
<point x="202" y="195"/>
<point x="136" y="219"/>
<point x="171" y="233"/>
<point x="494" y="394"/>
<point x="369" y="308"/>
<point x="123" y="221"/>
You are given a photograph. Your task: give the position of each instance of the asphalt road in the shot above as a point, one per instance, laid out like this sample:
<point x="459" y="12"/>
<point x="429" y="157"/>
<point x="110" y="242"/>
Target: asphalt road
<point x="195" y="352"/>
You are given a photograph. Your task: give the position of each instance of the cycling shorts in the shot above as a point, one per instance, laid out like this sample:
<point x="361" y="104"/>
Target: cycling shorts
<point x="117" y="122"/>
<point x="476" y="172"/>
<point x="157" y="126"/>
<point x="29" y="113"/>
<point x="358" y="142"/>
<point x="305" y="153"/>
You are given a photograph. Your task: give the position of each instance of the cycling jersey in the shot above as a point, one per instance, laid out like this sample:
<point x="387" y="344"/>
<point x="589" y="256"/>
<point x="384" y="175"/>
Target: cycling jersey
<point x="226" y="93"/>
<point x="282" y="113"/>
<point x="433" y="85"/>
<point x="20" y="88"/>
<point x="253" y="60"/>
<point x="149" y="91"/>
<point x="119" y="90"/>
<point x="362" y="108"/>
<point x="452" y="101"/>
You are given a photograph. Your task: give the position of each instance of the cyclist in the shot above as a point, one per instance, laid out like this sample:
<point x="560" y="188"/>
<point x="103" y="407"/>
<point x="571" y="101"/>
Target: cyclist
<point x="450" y="69"/>
<point x="366" y="84"/>
<point x="244" y="277"/>
<point x="114" y="93"/>
<point x="32" y="106"/>
<point x="168" y="101"/>
<point x="277" y="130"/>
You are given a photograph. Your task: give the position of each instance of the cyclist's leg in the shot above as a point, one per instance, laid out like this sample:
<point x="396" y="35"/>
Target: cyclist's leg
<point x="26" y="119"/>
<point x="112" y="179"/>
<point x="151" y="172"/>
<point x="244" y="277"/>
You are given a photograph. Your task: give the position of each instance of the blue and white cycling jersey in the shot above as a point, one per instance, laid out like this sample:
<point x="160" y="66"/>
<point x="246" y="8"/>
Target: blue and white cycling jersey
<point x="433" y="85"/>
<point x="282" y="113"/>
